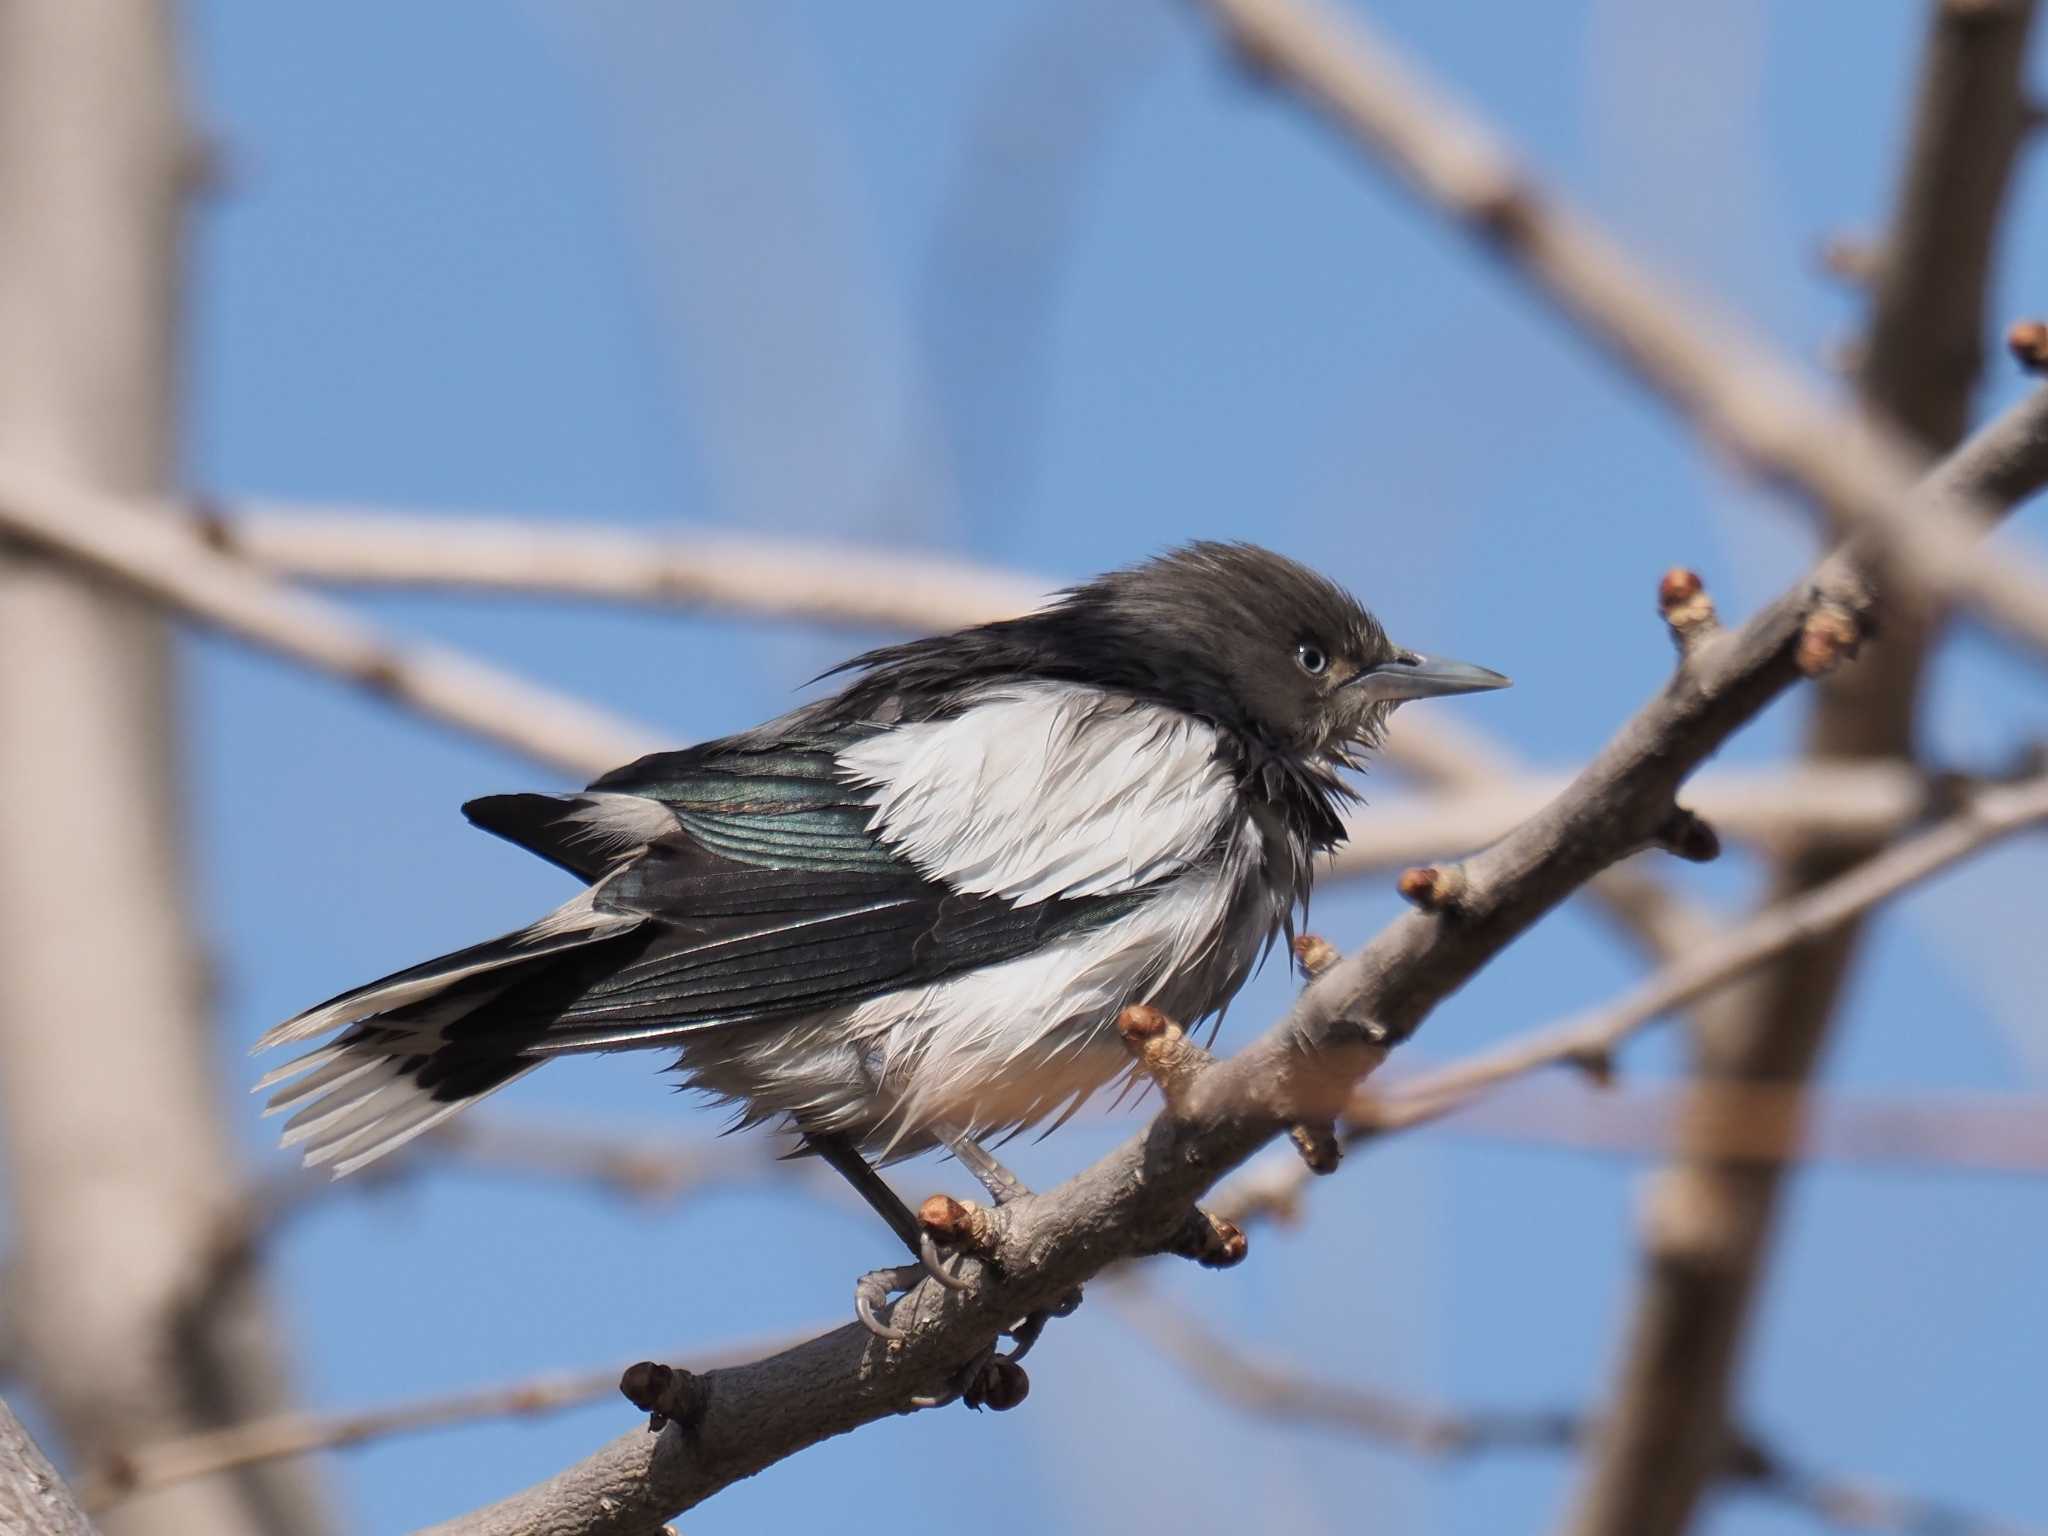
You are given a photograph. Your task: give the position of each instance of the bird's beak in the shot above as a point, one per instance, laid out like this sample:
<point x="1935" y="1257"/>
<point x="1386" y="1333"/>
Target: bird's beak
<point x="1411" y="675"/>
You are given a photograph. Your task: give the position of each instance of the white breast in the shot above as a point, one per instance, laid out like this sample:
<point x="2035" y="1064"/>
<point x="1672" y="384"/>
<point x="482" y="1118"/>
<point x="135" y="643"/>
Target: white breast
<point x="1011" y="1044"/>
<point x="1045" y="790"/>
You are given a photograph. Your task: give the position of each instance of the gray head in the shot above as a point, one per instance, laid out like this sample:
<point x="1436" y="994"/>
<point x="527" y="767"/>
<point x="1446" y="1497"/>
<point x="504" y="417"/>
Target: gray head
<point x="1260" y="645"/>
<point x="1283" y="660"/>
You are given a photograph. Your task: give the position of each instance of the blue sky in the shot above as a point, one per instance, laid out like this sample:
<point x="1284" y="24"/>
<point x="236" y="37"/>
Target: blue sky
<point x="1054" y="285"/>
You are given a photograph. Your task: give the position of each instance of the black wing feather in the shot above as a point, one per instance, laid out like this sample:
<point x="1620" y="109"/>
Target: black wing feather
<point x="771" y="899"/>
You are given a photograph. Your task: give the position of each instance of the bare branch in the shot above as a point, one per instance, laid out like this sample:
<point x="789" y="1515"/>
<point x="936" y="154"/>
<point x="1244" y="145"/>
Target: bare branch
<point x="1769" y="1123"/>
<point x="1802" y="805"/>
<point x="167" y="560"/>
<point x="161" y="1464"/>
<point x="1733" y="389"/>
<point x="810" y="581"/>
<point x="1290" y="1396"/>
<point x="1985" y="818"/>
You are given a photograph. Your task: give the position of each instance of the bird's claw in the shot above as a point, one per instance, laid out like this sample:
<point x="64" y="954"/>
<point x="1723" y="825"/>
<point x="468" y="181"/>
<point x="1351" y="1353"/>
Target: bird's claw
<point x="934" y="1264"/>
<point x="871" y="1293"/>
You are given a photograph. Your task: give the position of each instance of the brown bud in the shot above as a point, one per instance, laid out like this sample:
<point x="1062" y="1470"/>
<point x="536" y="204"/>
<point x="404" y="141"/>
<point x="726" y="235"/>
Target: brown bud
<point x="2028" y="343"/>
<point x="1850" y="258"/>
<point x="1596" y="1061"/>
<point x="1688" y="835"/>
<point x="1829" y="637"/>
<point x="1318" y="1145"/>
<point x="1141" y="1021"/>
<point x="1162" y="1048"/>
<point x="1433" y="888"/>
<point x="1314" y="954"/>
<point x="960" y="1222"/>
<point x="663" y="1393"/>
<point x="999" y="1385"/>
<point x="1688" y="610"/>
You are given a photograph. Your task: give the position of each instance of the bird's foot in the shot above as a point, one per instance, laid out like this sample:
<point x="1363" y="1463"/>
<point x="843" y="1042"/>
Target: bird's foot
<point x="963" y="1228"/>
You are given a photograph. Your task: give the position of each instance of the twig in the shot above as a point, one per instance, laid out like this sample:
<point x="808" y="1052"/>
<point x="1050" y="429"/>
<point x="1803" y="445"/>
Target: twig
<point x="810" y="581"/>
<point x="1303" y="1069"/>
<point x="1800" y="805"/>
<point x="1986" y="817"/>
<point x="1733" y="389"/>
<point x="1291" y="1396"/>
<point x="167" y="559"/>
<point x="146" y="1468"/>
<point x="1737" y="1122"/>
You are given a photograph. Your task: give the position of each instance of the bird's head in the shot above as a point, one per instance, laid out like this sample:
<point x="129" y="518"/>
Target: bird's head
<point x="1262" y="646"/>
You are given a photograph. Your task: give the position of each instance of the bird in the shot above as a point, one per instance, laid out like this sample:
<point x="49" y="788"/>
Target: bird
<point x="908" y="915"/>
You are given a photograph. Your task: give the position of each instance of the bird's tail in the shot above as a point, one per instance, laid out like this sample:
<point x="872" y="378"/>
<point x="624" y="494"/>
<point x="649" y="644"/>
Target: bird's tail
<point x="418" y="1045"/>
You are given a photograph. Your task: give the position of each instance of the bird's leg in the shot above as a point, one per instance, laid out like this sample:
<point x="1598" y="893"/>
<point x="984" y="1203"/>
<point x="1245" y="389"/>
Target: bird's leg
<point x="1004" y="1186"/>
<point x="871" y="1291"/>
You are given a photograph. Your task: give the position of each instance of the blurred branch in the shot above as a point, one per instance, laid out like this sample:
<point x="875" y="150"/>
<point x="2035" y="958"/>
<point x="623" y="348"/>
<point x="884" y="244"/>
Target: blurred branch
<point x="1919" y="368"/>
<point x="1275" y="1392"/>
<point x="170" y="561"/>
<point x="1803" y="804"/>
<point x="1734" y="390"/>
<point x="1770" y="1123"/>
<point x="164" y="1463"/>
<point x="34" y="1500"/>
<point x="811" y="581"/>
<point x="119" y="1161"/>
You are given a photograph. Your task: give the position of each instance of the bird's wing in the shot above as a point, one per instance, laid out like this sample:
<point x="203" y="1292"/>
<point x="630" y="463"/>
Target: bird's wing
<point x="762" y="890"/>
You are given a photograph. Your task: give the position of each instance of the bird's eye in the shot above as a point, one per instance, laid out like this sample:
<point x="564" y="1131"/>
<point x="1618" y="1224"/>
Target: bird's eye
<point x="1312" y="658"/>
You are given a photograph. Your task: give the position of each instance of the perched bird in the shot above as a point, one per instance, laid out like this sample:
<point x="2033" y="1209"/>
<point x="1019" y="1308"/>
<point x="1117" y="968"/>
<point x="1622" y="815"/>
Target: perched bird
<point x="910" y="914"/>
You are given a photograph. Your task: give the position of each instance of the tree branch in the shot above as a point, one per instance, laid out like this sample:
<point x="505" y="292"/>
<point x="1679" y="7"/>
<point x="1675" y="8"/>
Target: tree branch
<point x="1274" y="1392"/>
<point x="166" y="559"/>
<point x="164" y="1463"/>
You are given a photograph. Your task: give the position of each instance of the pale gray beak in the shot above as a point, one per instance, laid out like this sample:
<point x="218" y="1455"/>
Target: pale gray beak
<point x="1411" y="675"/>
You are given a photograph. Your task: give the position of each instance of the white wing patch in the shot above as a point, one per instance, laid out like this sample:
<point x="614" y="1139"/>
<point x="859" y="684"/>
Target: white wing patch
<point x="1047" y="790"/>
